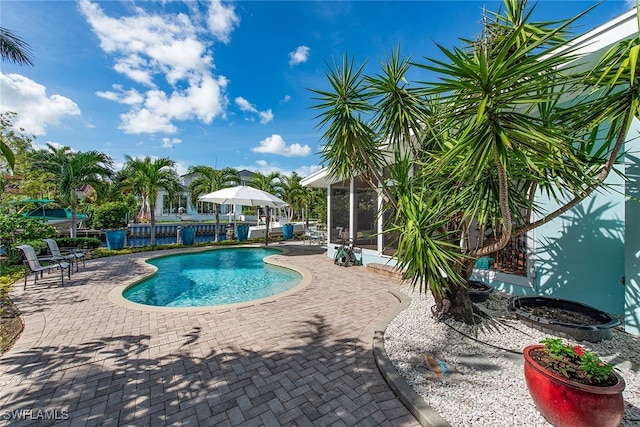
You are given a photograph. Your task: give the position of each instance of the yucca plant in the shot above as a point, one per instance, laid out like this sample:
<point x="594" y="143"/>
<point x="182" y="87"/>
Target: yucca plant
<point x="480" y="144"/>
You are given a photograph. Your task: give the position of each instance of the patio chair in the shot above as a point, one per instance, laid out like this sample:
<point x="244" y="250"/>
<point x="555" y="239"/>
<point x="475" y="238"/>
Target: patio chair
<point x="70" y="254"/>
<point x="312" y="235"/>
<point x="32" y="265"/>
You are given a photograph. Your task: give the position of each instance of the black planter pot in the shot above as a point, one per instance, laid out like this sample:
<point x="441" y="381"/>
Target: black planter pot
<point x="600" y="330"/>
<point x="478" y="291"/>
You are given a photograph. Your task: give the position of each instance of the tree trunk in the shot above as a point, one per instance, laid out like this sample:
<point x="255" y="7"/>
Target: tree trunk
<point x="266" y="229"/>
<point x="456" y="303"/>
<point x="217" y="230"/>
<point x="152" y="221"/>
<point x="73" y="232"/>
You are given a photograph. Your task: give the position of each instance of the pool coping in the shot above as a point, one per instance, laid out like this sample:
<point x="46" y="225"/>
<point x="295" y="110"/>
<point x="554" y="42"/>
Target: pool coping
<point x="115" y="295"/>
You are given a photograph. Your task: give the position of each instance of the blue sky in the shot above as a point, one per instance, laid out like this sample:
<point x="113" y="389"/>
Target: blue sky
<point x="219" y="84"/>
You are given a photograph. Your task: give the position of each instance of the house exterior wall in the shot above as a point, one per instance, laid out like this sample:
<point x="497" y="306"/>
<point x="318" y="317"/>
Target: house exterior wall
<point x="592" y="253"/>
<point x="632" y="233"/>
<point x="580" y="255"/>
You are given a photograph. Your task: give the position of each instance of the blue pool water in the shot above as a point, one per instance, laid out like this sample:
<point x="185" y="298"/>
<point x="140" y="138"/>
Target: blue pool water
<point x="221" y="276"/>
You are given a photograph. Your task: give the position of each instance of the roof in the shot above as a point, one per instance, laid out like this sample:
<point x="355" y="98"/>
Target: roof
<point x="319" y="179"/>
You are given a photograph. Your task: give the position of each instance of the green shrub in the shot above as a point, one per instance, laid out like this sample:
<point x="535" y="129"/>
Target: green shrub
<point x="39" y="246"/>
<point x="79" y="242"/>
<point x="16" y="229"/>
<point x="109" y="216"/>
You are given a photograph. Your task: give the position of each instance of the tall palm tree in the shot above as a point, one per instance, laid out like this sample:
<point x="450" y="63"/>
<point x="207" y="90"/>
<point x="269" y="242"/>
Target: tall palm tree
<point x="480" y="144"/>
<point x="146" y="178"/>
<point x="71" y="170"/>
<point x="208" y="180"/>
<point x="270" y="183"/>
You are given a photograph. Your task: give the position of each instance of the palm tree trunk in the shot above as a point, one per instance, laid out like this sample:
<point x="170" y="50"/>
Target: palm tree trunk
<point x="152" y="222"/>
<point x="266" y="229"/>
<point x="73" y="232"/>
<point x="216" y="238"/>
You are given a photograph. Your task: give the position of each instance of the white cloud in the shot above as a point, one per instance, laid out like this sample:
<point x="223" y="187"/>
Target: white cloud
<point x="136" y="68"/>
<point x="145" y="121"/>
<point x="266" y="116"/>
<point x="221" y="20"/>
<point x="36" y="110"/>
<point x="299" y="56"/>
<point x="276" y="145"/>
<point x="44" y="146"/>
<point x="261" y="166"/>
<point x="170" y="142"/>
<point x="181" y="168"/>
<point x="128" y="97"/>
<point x="156" y="50"/>
<point x="244" y="105"/>
<point x="304" y="171"/>
<point x="286" y="99"/>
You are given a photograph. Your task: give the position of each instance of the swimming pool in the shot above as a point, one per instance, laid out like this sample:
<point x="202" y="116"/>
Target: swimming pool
<point x="217" y="277"/>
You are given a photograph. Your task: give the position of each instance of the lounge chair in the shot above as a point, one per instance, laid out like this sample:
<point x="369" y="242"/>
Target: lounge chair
<point x="71" y="254"/>
<point x="32" y="264"/>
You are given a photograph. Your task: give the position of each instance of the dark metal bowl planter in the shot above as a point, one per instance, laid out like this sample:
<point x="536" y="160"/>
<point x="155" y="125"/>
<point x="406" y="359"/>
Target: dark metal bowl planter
<point x="478" y="291"/>
<point x="598" y="328"/>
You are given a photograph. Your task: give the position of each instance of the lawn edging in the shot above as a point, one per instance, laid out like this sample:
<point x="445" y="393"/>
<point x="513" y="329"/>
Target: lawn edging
<point x="424" y="413"/>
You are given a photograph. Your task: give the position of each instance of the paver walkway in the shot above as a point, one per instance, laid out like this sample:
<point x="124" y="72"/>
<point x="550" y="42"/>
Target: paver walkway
<point x="302" y="359"/>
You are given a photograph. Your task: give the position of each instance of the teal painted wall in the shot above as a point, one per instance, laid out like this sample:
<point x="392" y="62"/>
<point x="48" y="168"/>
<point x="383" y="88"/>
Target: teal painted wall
<point x="632" y="233"/>
<point x="585" y="254"/>
<point x="580" y="255"/>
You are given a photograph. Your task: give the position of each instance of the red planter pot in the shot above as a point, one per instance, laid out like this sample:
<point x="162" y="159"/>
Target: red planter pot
<point x="565" y="403"/>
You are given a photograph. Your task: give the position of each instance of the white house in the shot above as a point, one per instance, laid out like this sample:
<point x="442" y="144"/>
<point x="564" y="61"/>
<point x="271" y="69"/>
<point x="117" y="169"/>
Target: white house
<point x="180" y="207"/>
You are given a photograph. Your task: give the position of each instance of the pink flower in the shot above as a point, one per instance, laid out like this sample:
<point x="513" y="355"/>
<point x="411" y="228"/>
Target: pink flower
<point x="578" y="350"/>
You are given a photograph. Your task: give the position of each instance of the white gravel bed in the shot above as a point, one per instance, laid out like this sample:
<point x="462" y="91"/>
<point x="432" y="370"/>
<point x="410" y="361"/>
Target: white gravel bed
<point x="485" y="385"/>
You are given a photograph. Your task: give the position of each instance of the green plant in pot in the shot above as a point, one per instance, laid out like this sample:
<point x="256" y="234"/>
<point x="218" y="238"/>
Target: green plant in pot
<point x="112" y="217"/>
<point x="573" y="387"/>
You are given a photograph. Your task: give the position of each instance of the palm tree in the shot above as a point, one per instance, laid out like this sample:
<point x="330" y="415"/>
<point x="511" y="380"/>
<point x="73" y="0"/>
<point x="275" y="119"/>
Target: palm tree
<point x="146" y="178"/>
<point x="208" y="180"/>
<point x="477" y="147"/>
<point x="310" y="199"/>
<point x="270" y="183"/>
<point x="293" y="193"/>
<point x="14" y="49"/>
<point x="16" y="146"/>
<point x="72" y="170"/>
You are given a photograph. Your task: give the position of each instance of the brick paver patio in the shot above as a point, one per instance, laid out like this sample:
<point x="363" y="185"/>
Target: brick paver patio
<point x="302" y="359"/>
